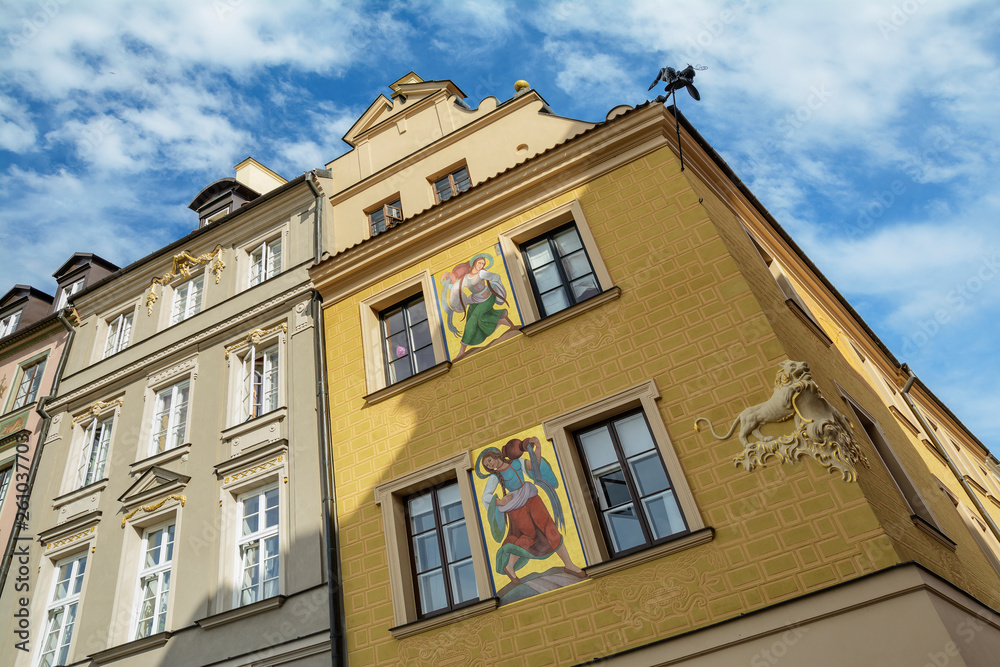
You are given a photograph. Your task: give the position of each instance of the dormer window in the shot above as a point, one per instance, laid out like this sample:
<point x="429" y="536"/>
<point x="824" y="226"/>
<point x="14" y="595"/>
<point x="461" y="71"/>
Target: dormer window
<point x="220" y="199"/>
<point x="9" y="324"/>
<point x="66" y="292"/>
<point x="386" y="216"/>
<point x="451" y="184"/>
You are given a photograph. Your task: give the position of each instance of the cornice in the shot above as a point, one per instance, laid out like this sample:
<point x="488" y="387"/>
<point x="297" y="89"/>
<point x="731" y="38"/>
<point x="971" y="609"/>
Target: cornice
<point x="505" y="196"/>
<point x="166" y="352"/>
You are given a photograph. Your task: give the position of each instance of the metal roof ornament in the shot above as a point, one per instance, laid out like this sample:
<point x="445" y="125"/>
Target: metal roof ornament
<point x="675" y="80"/>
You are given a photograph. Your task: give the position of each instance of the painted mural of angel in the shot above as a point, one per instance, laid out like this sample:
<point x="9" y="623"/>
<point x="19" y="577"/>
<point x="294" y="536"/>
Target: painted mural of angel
<point x="518" y="519"/>
<point x="472" y="291"/>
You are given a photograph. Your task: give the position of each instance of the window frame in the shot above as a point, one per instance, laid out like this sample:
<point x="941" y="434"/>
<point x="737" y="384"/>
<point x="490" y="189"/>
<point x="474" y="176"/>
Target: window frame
<point x="561" y="431"/>
<point x="387" y="206"/>
<point x="564" y="279"/>
<point x="122" y="336"/>
<point x="8" y="325"/>
<point x="77" y="562"/>
<point x="371" y="335"/>
<point x="259" y="535"/>
<point x="158" y="570"/>
<point x="190" y="309"/>
<point x="16" y="401"/>
<point x="267" y="253"/>
<point x="390" y="497"/>
<point x="153" y="448"/>
<point x="453" y="188"/>
<point x="513" y="239"/>
<point x="92" y="437"/>
<point x="407" y="330"/>
<point x="250" y="408"/>
<point x="67" y="291"/>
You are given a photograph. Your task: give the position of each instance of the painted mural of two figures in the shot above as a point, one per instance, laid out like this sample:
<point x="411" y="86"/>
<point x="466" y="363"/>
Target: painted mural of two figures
<point x="511" y="482"/>
<point x="478" y="298"/>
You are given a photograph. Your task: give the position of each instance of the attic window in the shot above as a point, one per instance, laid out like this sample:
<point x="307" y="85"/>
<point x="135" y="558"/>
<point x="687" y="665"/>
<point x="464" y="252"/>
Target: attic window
<point x="218" y="214"/>
<point x="9" y="324"/>
<point x="67" y="292"/>
<point x="451" y="184"/>
<point x="386" y="216"/>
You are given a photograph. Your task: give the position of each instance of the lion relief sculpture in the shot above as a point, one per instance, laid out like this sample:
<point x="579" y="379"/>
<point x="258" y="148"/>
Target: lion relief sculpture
<point x="819" y="430"/>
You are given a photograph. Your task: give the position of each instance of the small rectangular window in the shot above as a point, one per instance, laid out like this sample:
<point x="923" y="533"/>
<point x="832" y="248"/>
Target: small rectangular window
<point x="27" y="388"/>
<point x="406" y="339"/>
<point x="66" y="292"/>
<point x="448" y="186"/>
<point x="96" y="441"/>
<point x="265" y="261"/>
<point x="259" y="546"/>
<point x="386" y="217"/>
<point x="635" y="499"/>
<point x="439" y="547"/>
<point x="559" y="270"/>
<point x="170" y="417"/>
<point x="187" y="300"/>
<point x="9" y="324"/>
<point x="62" y="611"/>
<point x="260" y="381"/>
<point x="154" y="581"/>
<point x="119" y="333"/>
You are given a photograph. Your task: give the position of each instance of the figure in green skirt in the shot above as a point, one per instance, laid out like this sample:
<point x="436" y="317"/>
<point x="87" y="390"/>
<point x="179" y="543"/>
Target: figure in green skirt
<point x="475" y="291"/>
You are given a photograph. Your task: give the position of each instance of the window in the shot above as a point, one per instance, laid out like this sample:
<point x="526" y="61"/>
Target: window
<point x="154" y="581"/>
<point x="260" y="381"/>
<point x="119" y="333"/>
<point x="450" y="185"/>
<point x="187" y="300"/>
<point x="97" y="439"/>
<point x="398" y="338"/>
<point x="555" y="266"/>
<point x="27" y="388"/>
<point x="9" y="324"/>
<point x="386" y="216"/>
<point x="170" y="417"/>
<point x="265" y="261"/>
<point x="66" y="292"/>
<point x="626" y="480"/>
<point x="62" y="611"/>
<point x="629" y="483"/>
<point x="439" y="548"/>
<point x="216" y="216"/>
<point x="258" y="545"/>
<point x="559" y="270"/>
<point x="406" y="339"/>
<point x="5" y="475"/>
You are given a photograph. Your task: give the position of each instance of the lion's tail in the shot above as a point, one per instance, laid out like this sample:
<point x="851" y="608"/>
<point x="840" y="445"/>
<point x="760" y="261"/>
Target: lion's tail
<point x="729" y="433"/>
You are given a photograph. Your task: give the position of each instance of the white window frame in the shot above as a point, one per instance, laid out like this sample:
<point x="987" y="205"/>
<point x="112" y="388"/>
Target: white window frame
<point x="6" y="472"/>
<point x="66" y="292"/>
<point x="162" y="573"/>
<point x="254" y="405"/>
<point x="262" y="265"/>
<point x="175" y="423"/>
<point x="18" y="400"/>
<point x="188" y="297"/>
<point x="97" y="439"/>
<point x="259" y="537"/>
<point x="119" y="334"/>
<point x="9" y="324"/>
<point x="70" y="601"/>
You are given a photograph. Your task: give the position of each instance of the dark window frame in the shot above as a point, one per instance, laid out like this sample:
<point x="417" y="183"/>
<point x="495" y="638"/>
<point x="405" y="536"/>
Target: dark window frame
<point x="550" y="237"/>
<point x="387" y="357"/>
<point x="635" y="497"/>
<point x="439" y="526"/>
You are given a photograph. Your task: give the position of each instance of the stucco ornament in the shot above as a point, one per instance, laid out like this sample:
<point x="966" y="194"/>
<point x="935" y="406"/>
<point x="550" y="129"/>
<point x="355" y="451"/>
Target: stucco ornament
<point x="183" y="262"/>
<point x="819" y="431"/>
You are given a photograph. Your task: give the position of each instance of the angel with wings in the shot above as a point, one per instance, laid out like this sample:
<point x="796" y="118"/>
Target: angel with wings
<point x="472" y="291"/>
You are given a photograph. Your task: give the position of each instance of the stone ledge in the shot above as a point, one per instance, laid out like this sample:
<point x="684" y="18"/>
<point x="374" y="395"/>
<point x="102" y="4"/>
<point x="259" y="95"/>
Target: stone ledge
<point x="423" y="625"/>
<point x="131" y="648"/>
<point x="241" y="612"/>
<point x="403" y="385"/>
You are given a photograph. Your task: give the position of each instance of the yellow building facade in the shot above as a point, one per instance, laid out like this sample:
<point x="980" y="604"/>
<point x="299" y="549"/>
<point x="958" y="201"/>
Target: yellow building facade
<point x="525" y="315"/>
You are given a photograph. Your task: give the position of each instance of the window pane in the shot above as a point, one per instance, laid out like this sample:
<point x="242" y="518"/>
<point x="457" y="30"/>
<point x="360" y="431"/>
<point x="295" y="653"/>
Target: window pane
<point x="425" y="358"/>
<point x="456" y="541"/>
<point x="568" y="241"/>
<point x="547" y="278"/>
<point x="554" y="301"/>
<point x="463" y="581"/>
<point x="576" y="265"/>
<point x="649" y="474"/>
<point x="625" y="529"/>
<point x="613" y="488"/>
<point x="421" y="513"/>
<point x="432" y="593"/>
<point x="450" y="502"/>
<point x="399" y="370"/>
<point x="584" y="288"/>
<point x="663" y="514"/>
<point x="399" y="346"/>
<point x="421" y="335"/>
<point x="633" y="434"/>
<point x="538" y="254"/>
<point x="271" y="511"/>
<point x="597" y="448"/>
<point x="426" y="551"/>
<point x="462" y="181"/>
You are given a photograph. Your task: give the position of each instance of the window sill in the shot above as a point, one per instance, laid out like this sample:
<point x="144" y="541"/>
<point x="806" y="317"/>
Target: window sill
<point x="241" y="612"/>
<point x="412" y="381"/>
<point x="160" y="458"/>
<point x="131" y="648"/>
<point x="699" y="537"/>
<point x="928" y="528"/>
<point x="77" y="494"/>
<point x="541" y="325"/>
<point x="423" y="625"/>
<point x="268" y="427"/>
<point x="808" y="321"/>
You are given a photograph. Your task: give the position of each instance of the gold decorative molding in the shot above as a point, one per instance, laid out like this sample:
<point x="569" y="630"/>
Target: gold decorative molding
<point x="182" y="267"/>
<point x="153" y="507"/>
<point x="96" y="409"/>
<point x="819" y="431"/>
<point x="255" y="469"/>
<point x="71" y="538"/>
<point x="254" y="338"/>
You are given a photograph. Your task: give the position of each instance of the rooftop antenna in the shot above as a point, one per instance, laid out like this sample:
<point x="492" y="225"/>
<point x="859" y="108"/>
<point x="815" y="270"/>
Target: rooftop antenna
<point x="674" y="80"/>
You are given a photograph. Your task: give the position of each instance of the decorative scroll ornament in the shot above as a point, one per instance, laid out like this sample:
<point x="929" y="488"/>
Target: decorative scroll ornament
<point x="71" y="538"/>
<point x="254" y="338"/>
<point x="255" y="469"/>
<point x="96" y="409"/>
<point x="153" y="507"/>
<point x="182" y="267"/>
<point x="820" y="431"/>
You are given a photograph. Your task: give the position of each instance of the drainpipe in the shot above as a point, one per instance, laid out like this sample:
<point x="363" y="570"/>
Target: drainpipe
<point x="331" y="529"/>
<point x="43" y="432"/>
<point x="905" y="392"/>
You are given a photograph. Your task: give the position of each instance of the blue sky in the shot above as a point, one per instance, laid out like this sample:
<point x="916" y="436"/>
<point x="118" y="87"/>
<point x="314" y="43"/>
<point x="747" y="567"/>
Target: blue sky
<point x="869" y="130"/>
